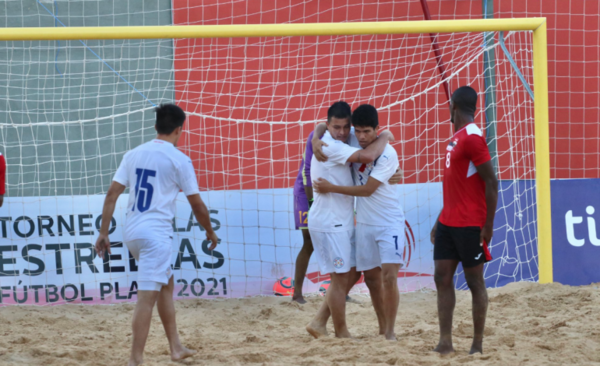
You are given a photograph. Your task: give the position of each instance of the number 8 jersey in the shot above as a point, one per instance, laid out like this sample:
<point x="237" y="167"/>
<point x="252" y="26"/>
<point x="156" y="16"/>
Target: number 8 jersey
<point x="155" y="172"/>
<point x="464" y="190"/>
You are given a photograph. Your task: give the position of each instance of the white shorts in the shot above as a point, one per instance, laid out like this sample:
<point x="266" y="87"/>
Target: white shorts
<point x="154" y="263"/>
<point x="376" y="245"/>
<point x="335" y="251"/>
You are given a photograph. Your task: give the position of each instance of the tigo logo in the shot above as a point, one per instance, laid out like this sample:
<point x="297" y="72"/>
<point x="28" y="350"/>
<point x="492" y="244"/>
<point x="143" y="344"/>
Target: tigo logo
<point x="571" y="221"/>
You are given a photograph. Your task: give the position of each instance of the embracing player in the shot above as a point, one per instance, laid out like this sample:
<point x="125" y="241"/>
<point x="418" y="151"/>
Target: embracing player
<point x="331" y="217"/>
<point x="466" y="224"/>
<point x="303" y="198"/>
<point x="379" y="217"/>
<point x="155" y="171"/>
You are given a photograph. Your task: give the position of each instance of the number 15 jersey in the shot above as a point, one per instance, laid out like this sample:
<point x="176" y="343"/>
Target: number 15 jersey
<point x="155" y="172"/>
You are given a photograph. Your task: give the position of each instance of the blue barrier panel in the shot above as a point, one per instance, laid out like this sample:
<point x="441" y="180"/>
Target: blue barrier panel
<point x="575" y="220"/>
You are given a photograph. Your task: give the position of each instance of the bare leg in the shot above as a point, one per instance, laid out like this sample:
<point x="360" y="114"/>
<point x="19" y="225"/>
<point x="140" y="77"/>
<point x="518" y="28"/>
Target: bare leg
<point x="166" y="310"/>
<point x="301" y="266"/>
<point x="336" y="299"/>
<point x="446" y="300"/>
<point x="374" y="283"/>
<point x="391" y="297"/>
<point x="318" y="326"/>
<point x="474" y="277"/>
<point x="142" y="315"/>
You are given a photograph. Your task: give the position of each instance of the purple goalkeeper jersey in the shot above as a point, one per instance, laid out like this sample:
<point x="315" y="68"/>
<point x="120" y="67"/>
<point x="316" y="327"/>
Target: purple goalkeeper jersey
<point x="303" y="178"/>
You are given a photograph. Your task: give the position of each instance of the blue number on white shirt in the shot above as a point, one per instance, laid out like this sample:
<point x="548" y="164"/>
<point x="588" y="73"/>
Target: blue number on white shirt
<point x="143" y="189"/>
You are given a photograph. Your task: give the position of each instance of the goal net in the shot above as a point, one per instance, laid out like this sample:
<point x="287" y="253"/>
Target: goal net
<point x="71" y="109"/>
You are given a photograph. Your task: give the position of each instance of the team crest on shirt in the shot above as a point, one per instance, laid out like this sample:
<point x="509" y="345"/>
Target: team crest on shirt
<point x="452" y="144"/>
<point x="364" y="167"/>
<point x="338" y="262"/>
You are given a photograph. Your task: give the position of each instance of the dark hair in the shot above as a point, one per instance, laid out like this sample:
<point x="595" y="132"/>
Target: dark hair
<point x="365" y="116"/>
<point x="339" y="110"/>
<point x="465" y="99"/>
<point x="168" y="118"/>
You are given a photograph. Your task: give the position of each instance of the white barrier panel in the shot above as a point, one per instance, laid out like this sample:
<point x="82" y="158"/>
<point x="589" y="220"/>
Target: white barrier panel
<point x="47" y="256"/>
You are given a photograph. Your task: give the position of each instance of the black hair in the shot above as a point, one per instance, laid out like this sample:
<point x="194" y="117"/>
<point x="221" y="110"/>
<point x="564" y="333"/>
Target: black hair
<point x="339" y="110"/>
<point x="168" y="118"/>
<point x="365" y="116"/>
<point x="465" y="99"/>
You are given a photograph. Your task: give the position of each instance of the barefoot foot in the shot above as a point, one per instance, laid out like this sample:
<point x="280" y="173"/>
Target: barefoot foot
<point x="299" y="299"/>
<point x="391" y="337"/>
<point x="133" y="362"/>
<point x="476" y="347"/>
<point x="316" y="330"/>
<point x="444" y="348"/>
<point x="182" y="353"/>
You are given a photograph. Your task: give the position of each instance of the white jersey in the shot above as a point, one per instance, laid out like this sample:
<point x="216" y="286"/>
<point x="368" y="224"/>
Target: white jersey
<point x="333" y="212"/>
<point x="383" y="207"/>
<point x="156" y="171"/>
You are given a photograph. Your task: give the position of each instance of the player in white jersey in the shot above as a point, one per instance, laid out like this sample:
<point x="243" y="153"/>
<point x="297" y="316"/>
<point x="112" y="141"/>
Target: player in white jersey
<point x="380" y="218"/>
<point x="155" y="172"/>
<point x="331" y="218"/>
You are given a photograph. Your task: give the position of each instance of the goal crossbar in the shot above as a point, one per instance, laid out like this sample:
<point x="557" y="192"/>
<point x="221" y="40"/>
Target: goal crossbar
<point x="540" y="72"/>
<point x="270" y="30"/>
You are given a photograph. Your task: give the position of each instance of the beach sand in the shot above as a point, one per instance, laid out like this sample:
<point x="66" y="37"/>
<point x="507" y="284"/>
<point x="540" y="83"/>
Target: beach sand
<point x="528" y="323"/>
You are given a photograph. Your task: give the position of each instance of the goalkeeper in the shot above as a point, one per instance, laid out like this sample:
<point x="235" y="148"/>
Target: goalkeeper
<point x="303" y="197"/>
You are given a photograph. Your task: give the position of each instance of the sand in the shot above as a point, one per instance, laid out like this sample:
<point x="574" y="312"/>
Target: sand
<point x="527" y="323"/>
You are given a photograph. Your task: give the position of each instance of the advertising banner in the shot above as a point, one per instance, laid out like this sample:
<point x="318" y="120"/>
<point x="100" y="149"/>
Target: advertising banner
<point x="575" y="237"/>
<point x="47" y="247"/>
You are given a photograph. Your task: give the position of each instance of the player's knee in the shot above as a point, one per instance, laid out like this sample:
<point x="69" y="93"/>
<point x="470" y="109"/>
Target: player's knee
<point x="373" y="281"/>
<point x="442" y="279"/>
<point x="308" y="247"/>
<point x="390" y="280"/>
<point x="476" y="283"/>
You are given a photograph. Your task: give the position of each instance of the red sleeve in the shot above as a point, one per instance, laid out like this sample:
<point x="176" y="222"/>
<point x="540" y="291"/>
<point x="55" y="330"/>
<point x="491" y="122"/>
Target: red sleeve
<point x="477" y="150"/>
<point x="2" y="174"/>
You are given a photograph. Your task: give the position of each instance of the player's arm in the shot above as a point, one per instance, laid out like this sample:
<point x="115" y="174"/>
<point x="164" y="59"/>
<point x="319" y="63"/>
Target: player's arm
<point x="317" y="144"/>
<point x="397" y="177"/>
<point x="203" y="217"/>
<point x="306" y="179"/>
<point x="372" y="152"/>
<point x="486" y="172"/>
<point x="110" y="201"/>
<point x="365" y="190"/>
<point x="432" y="234"/>
<point x="189" y="185"/>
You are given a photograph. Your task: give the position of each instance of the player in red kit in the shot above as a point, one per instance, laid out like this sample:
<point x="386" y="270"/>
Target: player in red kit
<point x="2" y="178"/>
<point x="465" y="226"/>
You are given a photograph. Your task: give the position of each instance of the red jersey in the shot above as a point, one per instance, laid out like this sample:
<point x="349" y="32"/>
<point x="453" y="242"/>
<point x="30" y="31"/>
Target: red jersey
<point x="464" y="190"/>
<point x="2" y="174"/>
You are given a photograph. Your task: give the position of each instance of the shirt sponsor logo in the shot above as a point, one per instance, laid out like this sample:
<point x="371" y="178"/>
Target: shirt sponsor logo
<point x="452" y="144"/>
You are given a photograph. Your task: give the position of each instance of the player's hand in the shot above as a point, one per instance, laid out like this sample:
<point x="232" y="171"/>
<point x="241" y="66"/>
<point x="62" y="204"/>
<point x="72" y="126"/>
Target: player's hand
<point x="322" y="186"/>
<point x="486" y="234"/>
<point x="432" y="234"/>
<point x="387" y="134"/>
<point x="397" y="177"/>
<point x="317" y="147"/>
<point x="214" y="239"/>
<point x="102" y="245"/>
